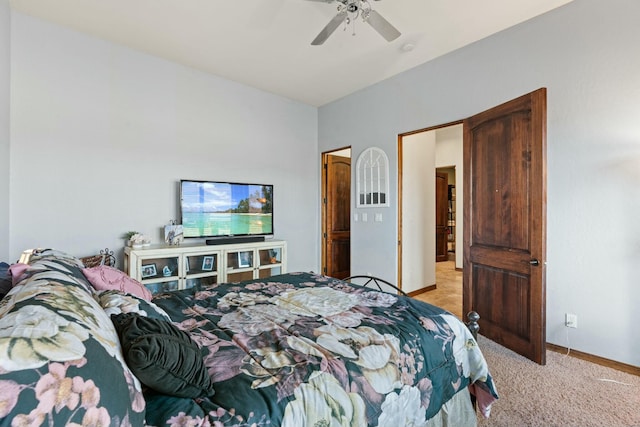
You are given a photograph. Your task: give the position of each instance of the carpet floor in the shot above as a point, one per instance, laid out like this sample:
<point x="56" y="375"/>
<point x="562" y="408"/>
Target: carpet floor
<point x="566" y="392"/>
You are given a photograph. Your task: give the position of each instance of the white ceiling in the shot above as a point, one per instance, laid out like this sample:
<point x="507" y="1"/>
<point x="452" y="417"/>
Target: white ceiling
<point x="266" y="43"/>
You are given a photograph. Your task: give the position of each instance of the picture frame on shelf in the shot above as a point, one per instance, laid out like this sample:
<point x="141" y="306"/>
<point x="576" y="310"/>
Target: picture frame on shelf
<point x="207" y="263"/>
<point x="148" y="270"/>
<point x="244" y="259"/>
<point x="173" y="234"/>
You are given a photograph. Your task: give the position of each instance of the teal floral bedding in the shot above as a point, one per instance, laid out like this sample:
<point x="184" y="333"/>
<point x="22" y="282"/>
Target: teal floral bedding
<point x="292" y="350"/>
<point x="307" y="350"/>
<point x="60" y="358"/>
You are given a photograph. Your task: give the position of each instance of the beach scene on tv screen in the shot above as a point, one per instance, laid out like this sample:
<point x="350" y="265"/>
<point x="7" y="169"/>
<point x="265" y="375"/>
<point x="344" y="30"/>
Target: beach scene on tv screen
<point x="224" y="209"/>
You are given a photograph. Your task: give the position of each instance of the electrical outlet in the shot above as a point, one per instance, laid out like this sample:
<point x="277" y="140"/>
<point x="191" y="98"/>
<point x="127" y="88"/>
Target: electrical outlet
<point x="570" y="320"/>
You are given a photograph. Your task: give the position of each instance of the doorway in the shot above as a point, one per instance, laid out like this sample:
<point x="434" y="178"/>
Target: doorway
<point x="442" y="185"/>
<point x="446" y="208"/>
<point x="422" y="155"/>
<point x="504" y="221"/>
<point x="336" y="213"/>
<point x="448" y="292"/>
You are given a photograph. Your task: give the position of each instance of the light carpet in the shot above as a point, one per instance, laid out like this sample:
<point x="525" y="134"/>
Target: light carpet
<point x="566" y="392"/>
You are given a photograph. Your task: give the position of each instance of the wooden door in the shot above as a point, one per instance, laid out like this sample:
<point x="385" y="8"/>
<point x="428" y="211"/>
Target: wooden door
<point x="505" y="223"/>
<point x="442" y="211"/>
<point x="337" y="228"/>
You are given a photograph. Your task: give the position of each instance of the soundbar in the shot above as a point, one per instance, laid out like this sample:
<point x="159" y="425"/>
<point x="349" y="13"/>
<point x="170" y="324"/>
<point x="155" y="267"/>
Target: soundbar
<point x="235" y="240"/>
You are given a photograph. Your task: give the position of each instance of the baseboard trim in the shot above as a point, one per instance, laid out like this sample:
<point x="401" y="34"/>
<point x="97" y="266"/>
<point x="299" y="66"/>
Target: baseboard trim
<point x="422" y="291"/>
<point x="619" y="366"/>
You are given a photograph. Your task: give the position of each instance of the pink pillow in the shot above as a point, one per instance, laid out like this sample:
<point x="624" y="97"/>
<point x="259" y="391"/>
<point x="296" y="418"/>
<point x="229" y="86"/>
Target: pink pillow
<point x="104" y="277"/>
<point x="17" y="270"/>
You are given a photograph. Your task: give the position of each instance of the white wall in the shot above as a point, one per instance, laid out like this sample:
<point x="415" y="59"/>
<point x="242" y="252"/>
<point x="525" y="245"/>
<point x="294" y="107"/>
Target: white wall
<point x="101" y="135"/>
<point x="5" y="36"/>
<point x="418" y="211"/>
<point x="584" y="53"/>
<point x="449" y="153"/>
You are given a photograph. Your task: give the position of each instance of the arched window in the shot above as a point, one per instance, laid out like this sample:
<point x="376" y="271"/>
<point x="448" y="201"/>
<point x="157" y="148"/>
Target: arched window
<point x="372" y="179"/>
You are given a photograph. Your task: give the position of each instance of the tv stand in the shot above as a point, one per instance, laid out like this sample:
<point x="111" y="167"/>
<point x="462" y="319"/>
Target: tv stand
<point x="233" y="240"/>
<point x="168" y="267"/>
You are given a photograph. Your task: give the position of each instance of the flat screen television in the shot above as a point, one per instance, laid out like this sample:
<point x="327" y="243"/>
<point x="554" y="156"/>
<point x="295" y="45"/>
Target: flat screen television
<point x="223" y="210"/>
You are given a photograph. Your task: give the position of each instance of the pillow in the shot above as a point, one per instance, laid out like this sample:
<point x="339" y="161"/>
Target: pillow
<point x="61" y="363"/>
<point x="17" y="270"/>
<point x="163" y="357"/>
<point x="53" y="265"/>
<point x="104" y="277"/>
<point x="116" y="302"/>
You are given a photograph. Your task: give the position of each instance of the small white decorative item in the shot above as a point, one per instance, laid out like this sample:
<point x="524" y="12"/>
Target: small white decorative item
<point x="166" y="271"/>
<point x="139" y="241"/>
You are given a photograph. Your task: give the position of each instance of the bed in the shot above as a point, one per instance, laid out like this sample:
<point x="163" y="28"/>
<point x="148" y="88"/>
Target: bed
<point x="307" y="350"/>
<point x="293" y="350"/>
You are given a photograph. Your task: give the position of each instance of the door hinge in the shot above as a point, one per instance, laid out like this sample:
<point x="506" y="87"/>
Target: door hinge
<point x="324" y="200"/>
<point x="324" y="235"/>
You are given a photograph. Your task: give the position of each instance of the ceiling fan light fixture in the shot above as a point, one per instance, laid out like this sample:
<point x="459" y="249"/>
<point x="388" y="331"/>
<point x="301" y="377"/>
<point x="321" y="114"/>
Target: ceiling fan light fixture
<point x="348" y="12"/>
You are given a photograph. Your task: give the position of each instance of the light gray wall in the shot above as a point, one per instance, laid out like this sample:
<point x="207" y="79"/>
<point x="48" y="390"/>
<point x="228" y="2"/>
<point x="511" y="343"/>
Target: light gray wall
<point x="422" y="153"/>
<point x="585" y="54"/>
<point x="418" y="211"/>
<point x="102" y="134"/>
<point x="5" y="36"/>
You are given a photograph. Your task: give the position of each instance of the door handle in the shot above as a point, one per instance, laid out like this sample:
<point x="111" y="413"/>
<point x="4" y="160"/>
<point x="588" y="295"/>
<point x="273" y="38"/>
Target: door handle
<point x="534" y="262"/>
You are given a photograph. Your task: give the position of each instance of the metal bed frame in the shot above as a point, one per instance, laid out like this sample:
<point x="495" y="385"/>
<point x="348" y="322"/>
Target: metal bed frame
<point x="365" y="280"/>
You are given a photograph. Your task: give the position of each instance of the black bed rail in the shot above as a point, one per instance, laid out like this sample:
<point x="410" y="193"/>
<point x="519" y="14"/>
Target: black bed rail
<point x="364" y="280"/>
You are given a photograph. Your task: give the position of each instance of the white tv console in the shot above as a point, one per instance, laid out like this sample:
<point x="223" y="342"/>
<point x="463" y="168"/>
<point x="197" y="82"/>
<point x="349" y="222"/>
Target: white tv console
<point x="163" y="267"/>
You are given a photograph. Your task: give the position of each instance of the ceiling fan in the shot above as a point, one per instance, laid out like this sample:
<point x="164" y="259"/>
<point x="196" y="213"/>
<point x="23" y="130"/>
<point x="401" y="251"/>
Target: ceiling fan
<point x="348" y="12"/>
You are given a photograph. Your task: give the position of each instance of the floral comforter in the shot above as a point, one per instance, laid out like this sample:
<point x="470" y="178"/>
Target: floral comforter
<point x="307" y="350"/>
<point x="60" y="358"/>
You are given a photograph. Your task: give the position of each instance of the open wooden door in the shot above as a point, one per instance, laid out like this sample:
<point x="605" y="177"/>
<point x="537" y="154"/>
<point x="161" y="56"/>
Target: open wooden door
<point x="337" y="216"/>
<point x="442" y="189"/>
<point x="505" y="223"/>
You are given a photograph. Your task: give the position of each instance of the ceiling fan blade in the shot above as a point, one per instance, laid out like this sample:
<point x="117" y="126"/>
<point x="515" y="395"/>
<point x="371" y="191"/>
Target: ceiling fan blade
<point x="330" y="28"/>
<point x="382" y="26"/>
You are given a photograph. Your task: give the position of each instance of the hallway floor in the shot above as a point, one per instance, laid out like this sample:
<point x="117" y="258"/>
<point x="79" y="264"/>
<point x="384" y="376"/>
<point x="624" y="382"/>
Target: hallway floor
<point x="448" y="292"/>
